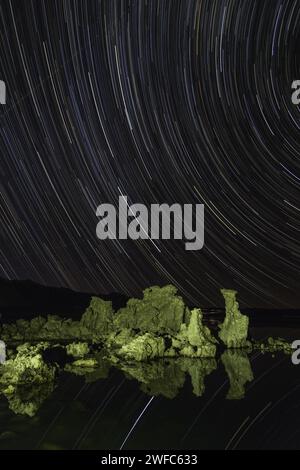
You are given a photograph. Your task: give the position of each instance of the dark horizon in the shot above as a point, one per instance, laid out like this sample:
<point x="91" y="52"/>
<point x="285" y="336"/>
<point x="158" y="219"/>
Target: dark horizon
<point x="26" y="295"/>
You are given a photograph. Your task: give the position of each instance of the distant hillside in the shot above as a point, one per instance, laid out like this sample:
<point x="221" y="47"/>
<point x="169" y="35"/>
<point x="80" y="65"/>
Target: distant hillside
<point x="27" y="299"/>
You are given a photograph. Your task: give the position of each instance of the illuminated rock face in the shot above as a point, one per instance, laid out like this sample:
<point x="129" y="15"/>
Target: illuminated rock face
<point x="143" y="348"/>
<point x="95" y="324"/>
<point x="194" y="339"/>
<point x="234" y="330"/>
<point x="160" y="311"/>
<point x="156" y="340"/>
<point x="98" y="317"/>
<point x="158" y="325"/>
<point x="77" y="350"/>
<point x="27" y="367"/>
<point x="190" y="340"/>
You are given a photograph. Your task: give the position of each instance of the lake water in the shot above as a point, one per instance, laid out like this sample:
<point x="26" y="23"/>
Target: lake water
<point x="120" y="412"/>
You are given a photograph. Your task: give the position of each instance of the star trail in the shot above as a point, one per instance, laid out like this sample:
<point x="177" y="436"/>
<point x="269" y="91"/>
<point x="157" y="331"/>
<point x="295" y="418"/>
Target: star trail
<point x="185" y="101"/>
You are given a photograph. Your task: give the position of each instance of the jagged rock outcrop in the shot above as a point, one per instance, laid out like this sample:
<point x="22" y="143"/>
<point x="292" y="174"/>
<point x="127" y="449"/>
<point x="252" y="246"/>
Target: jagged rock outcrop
<point x="143" y="348"/>
<point x="194" y="339"/>
<point x="50" y="328"/>
<point x="77" y="350"/>
<point x="160" y="311"/>
<point x="234" y="330"/>
<point x="95" y="324"/>
<point x="98" y="317"/>
<point x="27" y="367"/>
<point x="158" y="325"/>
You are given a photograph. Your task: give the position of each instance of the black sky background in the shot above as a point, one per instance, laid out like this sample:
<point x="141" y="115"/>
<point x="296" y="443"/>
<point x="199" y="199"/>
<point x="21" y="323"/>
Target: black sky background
<point x="163" y="101"/>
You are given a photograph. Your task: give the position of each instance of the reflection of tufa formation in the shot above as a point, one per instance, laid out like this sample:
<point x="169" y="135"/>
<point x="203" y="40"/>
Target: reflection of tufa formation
<point x="26" y="380"/>
<point x="156" y="340"/>
<point x="239" y="372"/>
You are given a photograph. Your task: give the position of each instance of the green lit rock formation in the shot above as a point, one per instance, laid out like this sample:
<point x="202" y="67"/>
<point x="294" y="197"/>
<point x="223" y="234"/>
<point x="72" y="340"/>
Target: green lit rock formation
<point x="27" y="367"/>
<point x="239" y="371"/>
<point x="194" y="339"/>
<point x="98" y="317"/>
<point x="160" y="311"/>
<point x="143" y="348"/>
<point x="158" y="325"/>
<point x="156" y="340"/>
<point x="273" y="345"/>
<point x="96" y="323"/>
<point x="77" y="349"/>
<point x="234" y="330"/>
<point x="188" y="337"/>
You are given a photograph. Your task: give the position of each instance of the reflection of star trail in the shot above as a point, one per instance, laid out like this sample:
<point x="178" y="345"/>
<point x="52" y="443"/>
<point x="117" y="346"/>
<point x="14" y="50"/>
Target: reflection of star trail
<point x="58" y="414"/>
<point x="185" y="102"/>
<point x="103" y="414"/>
<point x="266" y="372"/>
<point x="252" y="422"/>
<point x="136" y="422"/>
<point x="236" y="433"/>
<point x="203" y="409"/>
<point x="96" y="415"/>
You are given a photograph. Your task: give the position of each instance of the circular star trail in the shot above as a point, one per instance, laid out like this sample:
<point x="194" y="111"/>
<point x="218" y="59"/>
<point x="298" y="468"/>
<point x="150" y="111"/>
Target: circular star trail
<point x="181" y="101"/>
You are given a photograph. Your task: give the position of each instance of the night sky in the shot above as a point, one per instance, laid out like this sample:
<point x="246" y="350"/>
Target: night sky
<point x="163" y="101"/>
